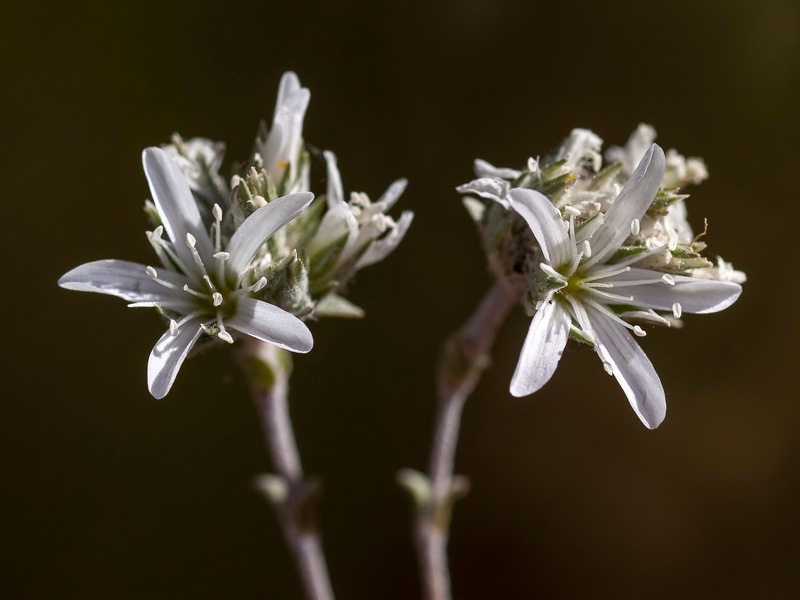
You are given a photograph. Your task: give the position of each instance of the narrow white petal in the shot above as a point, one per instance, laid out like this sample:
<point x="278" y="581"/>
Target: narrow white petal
<point x="167" y="357"/>
<point x="392" y="193"/>
<point x="697" y="296"/>
<point x="338" y="222"/>
<point x="259" y="226"/>
<point x="490" y="188"/>
<point x="126" y="280"/>
<point x="335" y="191"/>
<point x="269" y="323"/>
<point x="380" y="249"/>
<point x="546" y="223"/>
<point x="544" y="344"/>
<point x="632" y="202"/>
<point x="630" y="365"/>
<point x="484" y="169"/>
<point x="175" y="203"/>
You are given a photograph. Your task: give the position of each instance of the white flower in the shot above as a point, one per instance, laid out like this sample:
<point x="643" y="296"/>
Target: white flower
<point x="204" y="288"/>
<point x="358" y="233"/>
<point x="282" y="146"/>
<point x="583" y="289"/>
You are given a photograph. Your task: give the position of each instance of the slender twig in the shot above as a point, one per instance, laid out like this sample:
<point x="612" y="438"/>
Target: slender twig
<point x="465" y="357"/>
<point x="293" y="495"/>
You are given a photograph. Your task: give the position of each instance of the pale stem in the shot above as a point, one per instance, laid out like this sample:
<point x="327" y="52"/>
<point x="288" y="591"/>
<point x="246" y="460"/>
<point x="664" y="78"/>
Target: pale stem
<point x="269" y="369"/>
<point x="465" y="357"/>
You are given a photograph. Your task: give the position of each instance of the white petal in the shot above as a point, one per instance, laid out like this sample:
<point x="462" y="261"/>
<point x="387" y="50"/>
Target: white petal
<point x="490" y="188"/>
<point x="335" y="192"/>
<point x="283" y="142"/>
<point x="698" y="296"/>
<point x="126" y="280"/>
<point x="392" y="193"/>
<point x="269" y="323"/>
<point x="632" y="202"/>
<point x="380" y="249"/>
<point x="167" y="357"/>
<point x="542" y="350"/>
<point x="484" y="169"/>
<point x="633" y="370"/>
<point x="338" y="222"/>
<point x="175" y="204"/>
<point x="546" y="223"/>
<point x="259" y="226"/>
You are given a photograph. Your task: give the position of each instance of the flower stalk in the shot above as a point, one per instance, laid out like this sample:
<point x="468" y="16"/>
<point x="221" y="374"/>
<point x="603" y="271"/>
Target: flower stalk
<point x="293" y="496"/>
<point x="465" y="356"/>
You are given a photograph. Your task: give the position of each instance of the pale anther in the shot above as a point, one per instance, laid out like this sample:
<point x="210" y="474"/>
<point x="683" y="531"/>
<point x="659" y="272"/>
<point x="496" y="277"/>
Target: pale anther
<point x="589" y="336"/>
<point x="152" y="272"/>
<point x="217" y="212"/>
<point x="668" y="279"/>
<point x="548" y="270"/>
<point x="225" y="336"/>
<point x="672" y="245"/>
<point x="639" y="331"/>
<point x="635" y="227"/>
<point x="608" y="368"/>
<point x="587" y="249"/>
<point x="222" y="255"/>
<point x="677" y="310"/>
<point x="173" y="327"/>
<point x="259" y="285"/>
<point x="217" y="298"/>
<point x="571" y="210"/>
<point x="190" y="240"/>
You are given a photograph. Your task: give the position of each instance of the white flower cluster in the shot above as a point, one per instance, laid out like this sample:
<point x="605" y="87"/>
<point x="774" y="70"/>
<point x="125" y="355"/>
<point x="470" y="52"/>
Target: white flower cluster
<point x="601" y="250"/>
<point x="253" y="256"/>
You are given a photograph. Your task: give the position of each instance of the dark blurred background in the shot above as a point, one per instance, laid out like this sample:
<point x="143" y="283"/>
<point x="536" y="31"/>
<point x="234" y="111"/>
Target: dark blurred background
<point x="108" y="493"/>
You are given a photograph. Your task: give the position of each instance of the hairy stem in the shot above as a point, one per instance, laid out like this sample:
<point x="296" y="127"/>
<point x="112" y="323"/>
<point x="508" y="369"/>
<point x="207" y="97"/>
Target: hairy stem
<point x="294" y="496"/>
<point x="464" y="359"/>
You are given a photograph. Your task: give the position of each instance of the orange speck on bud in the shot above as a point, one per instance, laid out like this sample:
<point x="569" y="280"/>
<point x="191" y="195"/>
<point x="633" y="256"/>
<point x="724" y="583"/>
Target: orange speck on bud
<point x="571" y="176"/>
<point x="283" y="163"/>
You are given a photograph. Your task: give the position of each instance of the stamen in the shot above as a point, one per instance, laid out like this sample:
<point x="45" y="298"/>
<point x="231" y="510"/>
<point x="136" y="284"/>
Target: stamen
<point x="189" y="290"/>
<point x="259" y="285"/>
<point x="217" y="212"/>
<point x="589" y="336"/>
<point x="607" y="273"/>
<point x="609" y="296"/>
<point x="173" y="327"/>
<point x="222" y="255"/>
<point x="223" y="333"/>
<point x="587" y="249"/>
<point x="635" y="227"/>
<point x="639" y="331"/>
<point x="572" y="211"/>
<point x="608" y="368"/>
<point x="610" y="314"/>
<point x="677" y="310"/>
<point x="217" y="298"/>
<point x="641" y="256"/>
<point x="256" y="287"/>
<point x="191" y="241"/>
<point x="668" y="279"/>
<point x="153" y="274"/>
<point x="672" y="245"/>
<point x="551" y="272"/>
<point x="635" y="282"/>
<point x="165" y="250"/>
